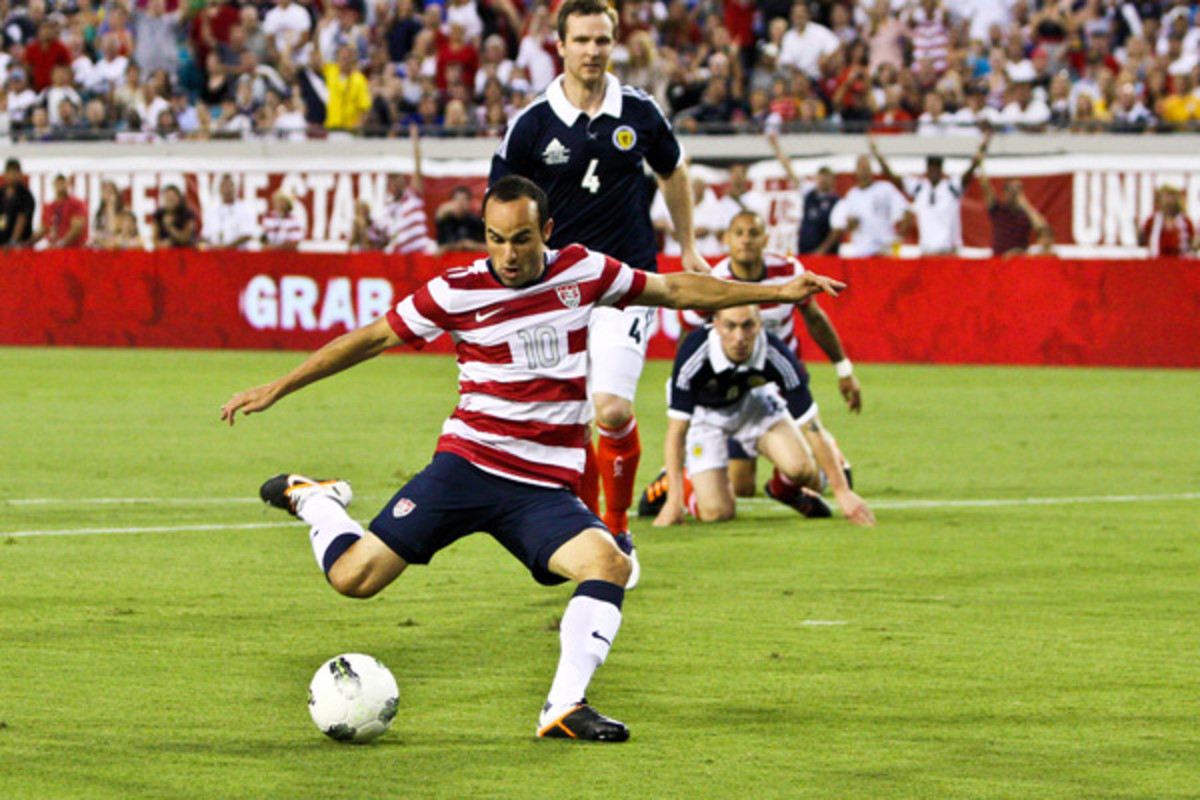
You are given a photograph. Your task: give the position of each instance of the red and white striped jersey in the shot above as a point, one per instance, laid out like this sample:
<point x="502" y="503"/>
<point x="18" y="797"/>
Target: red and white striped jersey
<point x="404" y="222"/>
<point x="522" y="359"/>
<point x="278" y="229"/>
<point x="778" y="318"/>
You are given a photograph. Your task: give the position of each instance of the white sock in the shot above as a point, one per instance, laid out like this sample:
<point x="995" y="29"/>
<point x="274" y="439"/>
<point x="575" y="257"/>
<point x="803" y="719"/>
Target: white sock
<point x="330" y="523"/>
<point x="586" y="633"/>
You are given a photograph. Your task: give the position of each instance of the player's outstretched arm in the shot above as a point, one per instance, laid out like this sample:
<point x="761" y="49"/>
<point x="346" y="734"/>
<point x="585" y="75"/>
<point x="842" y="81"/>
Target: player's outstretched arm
<point x="686" y="290"/>
<point x="672" y="512"/>
<point x="342" y="353"/>
<point x="853" y="507"/>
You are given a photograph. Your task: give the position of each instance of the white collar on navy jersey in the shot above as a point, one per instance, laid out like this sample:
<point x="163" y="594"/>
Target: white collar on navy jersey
<point x="568" y="112"/>
<point x="720" y="362"/>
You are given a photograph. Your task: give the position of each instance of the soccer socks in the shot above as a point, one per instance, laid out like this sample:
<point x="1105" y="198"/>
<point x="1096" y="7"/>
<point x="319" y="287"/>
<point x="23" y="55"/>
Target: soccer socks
<point x="333" y="531"/>
<point x="588" y="628"/>
<point x="783" y="487"/>
<point x="618" y="454"/>
<point x="589" y="486"/>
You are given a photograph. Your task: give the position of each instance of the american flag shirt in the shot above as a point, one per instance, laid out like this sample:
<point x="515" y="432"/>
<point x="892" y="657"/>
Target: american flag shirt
<point x="778" y="318"/>
<point x="522" y="359"/>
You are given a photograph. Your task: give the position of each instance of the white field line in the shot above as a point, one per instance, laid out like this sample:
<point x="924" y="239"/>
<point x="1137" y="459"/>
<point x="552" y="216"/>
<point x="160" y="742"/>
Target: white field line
<point x="758" y="503"/>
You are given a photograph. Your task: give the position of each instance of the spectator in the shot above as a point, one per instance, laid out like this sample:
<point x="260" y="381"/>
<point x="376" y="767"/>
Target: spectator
<point x="349" y="96"/>
<point x="1014" y="219"/>
<point x="740" y="195"/>
<point x="817" y="201"/>
<point x="404" y="219"/>
<point x="175" y="224"/>
<point x="282" y="228"/>
<point x="60" y="89"/>
<point x="107" y="219"/>
<point x="109" y="70"/>
<point x="1128" y="113"/>
<point x="936" y="200"/>
<point x="364" y="233"/>
<point x="806" y="43"/>
<point x="230" y="224"/>
<point x="708" y="220"/>
<point x="1168" y="231"/>
<point x="459" y="227"/>
<point x="17" y="208"/>
<point x="1024" y="112"/>
<point x="64" y="219"/>
<point x="128" y="236"/>
<point x="287" y="27"/>
<point x="869" y="214"/>
<point x="45" y="53"/>
<point x="400" y="30"/>
<point x="494" y="63"/>
<point x="20" y="97"/>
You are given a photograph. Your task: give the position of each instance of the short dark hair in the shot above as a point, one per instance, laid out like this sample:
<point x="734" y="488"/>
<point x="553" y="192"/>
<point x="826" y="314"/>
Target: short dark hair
<point x="934" y="161"/>
<point x="12" y="163"/>
<point x="514" y="187"/>
<point x="583" y="8"/>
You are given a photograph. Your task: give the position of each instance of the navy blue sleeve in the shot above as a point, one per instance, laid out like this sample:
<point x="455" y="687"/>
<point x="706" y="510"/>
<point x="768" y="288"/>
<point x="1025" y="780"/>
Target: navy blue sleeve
<point x="785" y="369"/>
<point x="681" y="391"/>
<point x="664" y="151"/>
<point x="513" y="156"/>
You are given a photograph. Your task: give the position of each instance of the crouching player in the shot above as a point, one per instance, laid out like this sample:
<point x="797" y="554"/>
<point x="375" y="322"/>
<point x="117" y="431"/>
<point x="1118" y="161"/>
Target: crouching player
<point x="732" y="379"/>
<point x="511" y="455"/>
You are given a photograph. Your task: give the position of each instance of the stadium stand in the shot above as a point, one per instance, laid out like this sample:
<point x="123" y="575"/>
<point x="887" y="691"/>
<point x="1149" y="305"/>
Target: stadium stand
<point x="140" y="70"/>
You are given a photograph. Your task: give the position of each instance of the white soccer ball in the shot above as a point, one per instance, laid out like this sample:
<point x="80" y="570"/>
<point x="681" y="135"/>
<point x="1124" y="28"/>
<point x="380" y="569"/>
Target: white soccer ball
<point x="353" y="698"/>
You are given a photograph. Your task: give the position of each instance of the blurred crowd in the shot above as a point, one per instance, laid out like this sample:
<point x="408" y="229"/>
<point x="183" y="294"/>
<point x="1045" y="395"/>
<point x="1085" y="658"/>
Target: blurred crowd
<point x="142" y="70"/>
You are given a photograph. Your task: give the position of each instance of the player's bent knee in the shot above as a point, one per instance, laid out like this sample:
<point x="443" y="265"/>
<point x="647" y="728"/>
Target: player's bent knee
<point x="719" y="512"/>
<point x="613" y="411"/>
<point x="352" y="580"/>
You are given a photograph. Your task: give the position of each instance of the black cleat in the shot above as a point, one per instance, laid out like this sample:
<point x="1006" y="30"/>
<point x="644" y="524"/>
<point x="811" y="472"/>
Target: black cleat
<point x="849" y="473"/>
<point x="811" y="506"/>
<point x="654" y="497"/>
<point x="586" y="724"/>
<point x="288" y="490"/>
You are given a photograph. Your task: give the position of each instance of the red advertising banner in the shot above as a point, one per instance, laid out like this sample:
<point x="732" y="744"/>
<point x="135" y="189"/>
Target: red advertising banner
<point x="937" y="310"/>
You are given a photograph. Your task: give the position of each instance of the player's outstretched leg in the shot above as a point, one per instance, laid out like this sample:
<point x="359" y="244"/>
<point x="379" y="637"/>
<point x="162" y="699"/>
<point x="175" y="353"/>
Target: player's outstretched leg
<point x="587" y="630"/>
<point x="322" y="504"/>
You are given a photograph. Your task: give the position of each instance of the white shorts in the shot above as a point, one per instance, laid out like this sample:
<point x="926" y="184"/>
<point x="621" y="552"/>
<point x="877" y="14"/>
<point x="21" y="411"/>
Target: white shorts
<point x="746" y="421"/>
<point x="617" y="340"/>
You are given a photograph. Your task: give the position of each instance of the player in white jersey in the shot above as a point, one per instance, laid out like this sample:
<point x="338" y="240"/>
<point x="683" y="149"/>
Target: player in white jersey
<point x="514" y="447"/>
<point x="404" y="221"/>
<point x="748" y="260"/>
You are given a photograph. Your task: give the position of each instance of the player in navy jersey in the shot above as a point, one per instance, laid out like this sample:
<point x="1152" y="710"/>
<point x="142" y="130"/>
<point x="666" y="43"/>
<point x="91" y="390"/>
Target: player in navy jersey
<point x="584" y="141"/>
<point x="732" y="379"/>
<point x="749" y="260"/>
<point x="513" y="449"/>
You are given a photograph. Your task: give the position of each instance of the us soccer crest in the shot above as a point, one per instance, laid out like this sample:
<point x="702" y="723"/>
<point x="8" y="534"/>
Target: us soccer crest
<point x="624" y="138"/>
<point x="403" y="507"/>
<point x="569" y="295"/>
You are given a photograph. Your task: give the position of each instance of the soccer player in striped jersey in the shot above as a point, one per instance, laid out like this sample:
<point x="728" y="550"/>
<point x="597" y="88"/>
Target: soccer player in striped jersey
<point x="749" y="260"/>
<point x="585" y="141"/>
<point x="513" y="450"/>
<point x="732" y="379"/>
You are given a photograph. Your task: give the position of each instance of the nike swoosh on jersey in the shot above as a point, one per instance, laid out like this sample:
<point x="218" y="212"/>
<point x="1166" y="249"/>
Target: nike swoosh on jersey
<point x="480" y="316"/>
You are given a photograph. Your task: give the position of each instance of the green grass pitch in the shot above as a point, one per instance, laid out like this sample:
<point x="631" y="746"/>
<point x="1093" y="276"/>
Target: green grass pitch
<point x="973" y="645"/>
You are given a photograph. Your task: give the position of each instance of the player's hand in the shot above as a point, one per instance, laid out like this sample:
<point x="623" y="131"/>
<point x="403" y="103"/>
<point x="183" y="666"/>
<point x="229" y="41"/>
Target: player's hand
<point x="851" y="392"/>
<point x="804" y="286"/>
<point x="671" y="513"/>
<point x="692" y="261"/>
<point x="260" y="398"/>
<point x="854" y="508"/>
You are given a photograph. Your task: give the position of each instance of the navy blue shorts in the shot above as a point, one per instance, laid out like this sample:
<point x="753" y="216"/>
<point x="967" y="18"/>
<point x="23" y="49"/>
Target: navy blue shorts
<point x="452" y="498"/>
<point x="736" y="450"/>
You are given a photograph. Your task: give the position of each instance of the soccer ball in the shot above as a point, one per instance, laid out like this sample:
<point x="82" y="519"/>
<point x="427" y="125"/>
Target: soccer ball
<point x="353" y="698"/>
